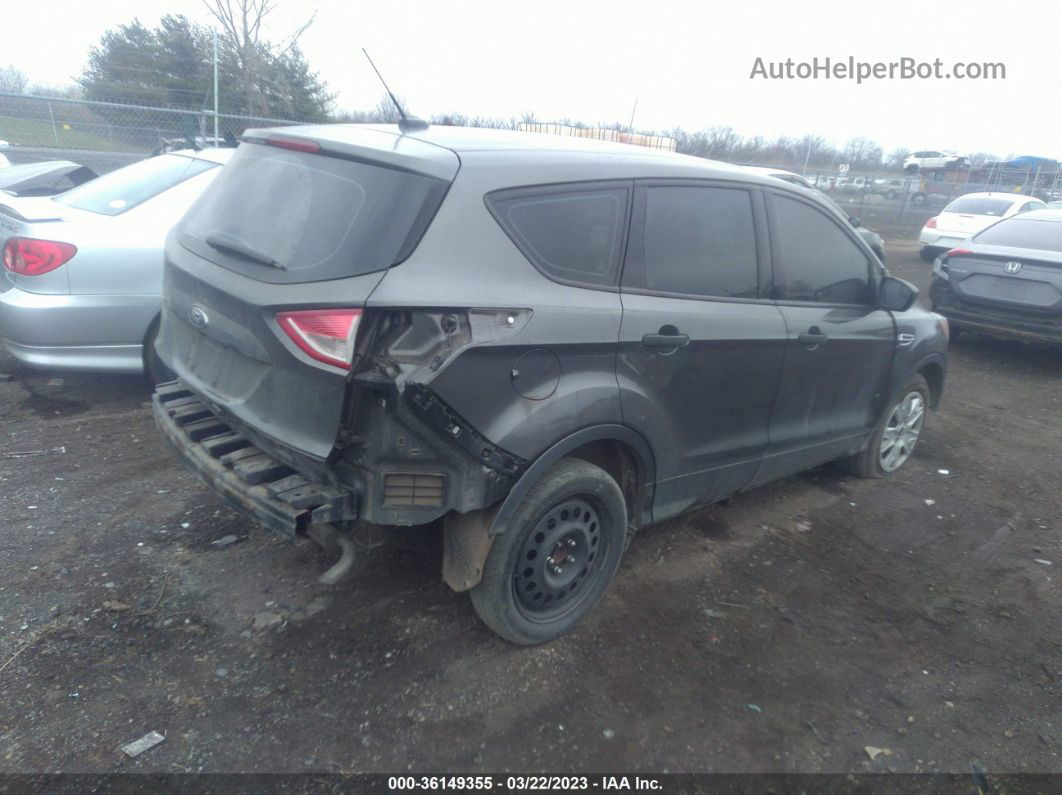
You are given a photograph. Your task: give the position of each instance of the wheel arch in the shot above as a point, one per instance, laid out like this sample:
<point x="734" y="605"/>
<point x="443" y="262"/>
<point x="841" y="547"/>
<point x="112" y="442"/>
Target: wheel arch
<point x="619" y="450"/>
<point x="932" y="369"/>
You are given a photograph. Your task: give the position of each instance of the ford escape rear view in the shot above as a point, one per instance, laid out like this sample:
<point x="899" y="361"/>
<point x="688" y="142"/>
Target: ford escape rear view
<point x="533" y="345"/>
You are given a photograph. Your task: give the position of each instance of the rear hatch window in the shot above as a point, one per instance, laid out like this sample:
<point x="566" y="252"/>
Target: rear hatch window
<point x="979" y="206"/>
<point x="128" y="187"/>
<point x="282" y="216"/>
<point x="1024" y="233"/>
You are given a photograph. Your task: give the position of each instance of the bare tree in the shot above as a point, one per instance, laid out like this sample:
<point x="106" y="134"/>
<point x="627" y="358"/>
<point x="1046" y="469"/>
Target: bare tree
<point x="12" y="80"/>
<point x="897" y="156"/>
<point x="241" y="24"/>
<point x="978" y="159"/>
<point x="863" y="153"/>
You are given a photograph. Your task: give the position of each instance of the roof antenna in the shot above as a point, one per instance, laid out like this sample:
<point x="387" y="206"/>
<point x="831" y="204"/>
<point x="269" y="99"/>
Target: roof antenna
<point x="407" y="123"/>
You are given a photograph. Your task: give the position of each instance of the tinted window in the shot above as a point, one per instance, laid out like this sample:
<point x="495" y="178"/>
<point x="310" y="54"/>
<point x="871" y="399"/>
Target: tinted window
<point x="574" y="235"/>
<point x="312" y="216"/>
<point x="125" y="188"/>
<point x="979" y="206"/>
<point x="700" y="241"/>
<point x="821" y="262"/>
<point x="1024" y="233"/>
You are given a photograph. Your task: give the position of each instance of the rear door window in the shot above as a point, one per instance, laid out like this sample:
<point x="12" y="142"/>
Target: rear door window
<point x="821" y="262"/>
<point x="698" y="241"/>
<point x="121" y="190"/>
<point x="284" y="216"/>
<point x="571" y="233"/>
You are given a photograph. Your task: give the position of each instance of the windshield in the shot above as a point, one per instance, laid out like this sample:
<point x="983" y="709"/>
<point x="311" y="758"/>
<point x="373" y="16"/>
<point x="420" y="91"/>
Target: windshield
<point x="1024" y="233"/>
<point x="979" y="206"/>
<point x="279" y="215"/>
<point x="124" y="189"/>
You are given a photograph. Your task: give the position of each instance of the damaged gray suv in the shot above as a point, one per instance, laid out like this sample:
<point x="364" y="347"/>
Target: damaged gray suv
<point x="533" y="345"/>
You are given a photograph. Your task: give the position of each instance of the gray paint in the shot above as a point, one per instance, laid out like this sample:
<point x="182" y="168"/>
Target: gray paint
<point x="742" y="403"/>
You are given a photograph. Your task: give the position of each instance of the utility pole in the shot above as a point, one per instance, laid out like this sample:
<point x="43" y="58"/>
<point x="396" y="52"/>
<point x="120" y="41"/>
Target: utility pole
<point x="215" y="87"/>
<point x="630" y="127"/>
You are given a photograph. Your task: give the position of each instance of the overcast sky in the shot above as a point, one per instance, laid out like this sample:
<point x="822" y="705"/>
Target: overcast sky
<point x="686" y="64"/>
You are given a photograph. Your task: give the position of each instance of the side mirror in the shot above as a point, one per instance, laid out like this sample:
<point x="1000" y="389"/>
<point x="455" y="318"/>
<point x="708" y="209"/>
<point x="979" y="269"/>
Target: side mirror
<point x="855" y="220"/>
<point x="896" y="295"/>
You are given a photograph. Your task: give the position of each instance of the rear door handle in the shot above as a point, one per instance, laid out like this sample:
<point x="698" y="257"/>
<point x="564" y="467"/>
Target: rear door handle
<point x="813" y="337"/>
<point x="665" y="340"/>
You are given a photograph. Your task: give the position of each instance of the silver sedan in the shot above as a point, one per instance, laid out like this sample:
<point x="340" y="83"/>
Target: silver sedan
<point x="81" y="283"/>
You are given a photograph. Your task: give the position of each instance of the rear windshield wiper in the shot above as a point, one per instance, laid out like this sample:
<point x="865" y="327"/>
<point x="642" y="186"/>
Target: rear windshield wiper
<point x="231" y="245"/>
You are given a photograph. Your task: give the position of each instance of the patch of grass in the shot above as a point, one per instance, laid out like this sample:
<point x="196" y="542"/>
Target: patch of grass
<point x="69" y="135"/>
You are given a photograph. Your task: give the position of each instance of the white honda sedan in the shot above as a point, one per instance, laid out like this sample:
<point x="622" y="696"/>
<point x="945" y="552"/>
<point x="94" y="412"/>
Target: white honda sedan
<point x="968" y="215"/>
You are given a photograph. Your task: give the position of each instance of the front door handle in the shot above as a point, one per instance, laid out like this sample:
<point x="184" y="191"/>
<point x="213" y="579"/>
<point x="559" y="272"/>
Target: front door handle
<point x="813" y="337"/>
<point x="671" y="341"/>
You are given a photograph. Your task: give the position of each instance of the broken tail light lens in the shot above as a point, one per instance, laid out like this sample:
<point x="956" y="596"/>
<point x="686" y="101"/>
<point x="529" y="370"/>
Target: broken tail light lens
<point x="29" y="257"/>
<point x="326" y="335"/>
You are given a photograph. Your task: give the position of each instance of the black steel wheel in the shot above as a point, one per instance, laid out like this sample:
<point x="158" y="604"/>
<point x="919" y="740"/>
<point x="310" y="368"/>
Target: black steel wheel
<point x="556" y="555"/>
<point x="560" y="554"/>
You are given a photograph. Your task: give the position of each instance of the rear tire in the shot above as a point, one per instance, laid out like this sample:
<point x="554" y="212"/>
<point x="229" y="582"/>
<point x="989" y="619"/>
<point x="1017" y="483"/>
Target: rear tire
<point x="928" y="254"/>
<point x="154" y="368"/>
<point x="896" y="435"/>
<point x="552" y="563"/>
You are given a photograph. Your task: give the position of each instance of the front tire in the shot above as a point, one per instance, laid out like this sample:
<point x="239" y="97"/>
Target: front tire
<point x="553" y="561"/>
<point x="896" y="435"/>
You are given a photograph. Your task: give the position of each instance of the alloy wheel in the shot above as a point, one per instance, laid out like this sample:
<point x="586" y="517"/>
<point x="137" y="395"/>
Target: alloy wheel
<point x="902" y="431"/>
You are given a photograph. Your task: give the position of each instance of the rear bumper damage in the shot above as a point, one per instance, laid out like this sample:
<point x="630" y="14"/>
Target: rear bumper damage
<point x="1028" y="326"/>
<point x="252" y="481"/>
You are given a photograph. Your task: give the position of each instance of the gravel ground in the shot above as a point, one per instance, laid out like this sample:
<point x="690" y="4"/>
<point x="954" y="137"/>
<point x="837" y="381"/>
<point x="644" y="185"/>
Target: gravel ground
<point x="786" y="630"/>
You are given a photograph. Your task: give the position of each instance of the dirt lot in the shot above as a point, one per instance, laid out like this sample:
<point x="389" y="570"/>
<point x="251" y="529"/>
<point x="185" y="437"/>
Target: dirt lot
<point x="784" y="631"/>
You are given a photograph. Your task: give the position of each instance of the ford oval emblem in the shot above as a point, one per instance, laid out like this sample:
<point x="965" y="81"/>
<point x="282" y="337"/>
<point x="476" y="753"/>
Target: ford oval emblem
<point x="198" y="317"/>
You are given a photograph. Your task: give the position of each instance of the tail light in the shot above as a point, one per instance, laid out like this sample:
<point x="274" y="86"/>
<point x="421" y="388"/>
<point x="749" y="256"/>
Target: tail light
<point x="30" y="257"/>
<point x="296" y="144"/>
<point x="958" y="252"/>
<point x="326" y="335"/>
<point x="932" y="223"/>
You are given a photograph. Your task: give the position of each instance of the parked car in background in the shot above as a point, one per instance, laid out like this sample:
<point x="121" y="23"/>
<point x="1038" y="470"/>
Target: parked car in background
<point x="967" y="216"/>
<point x="873" y="239"/>
<point x="394" y="328"/>
<point x="1006" y="280"/>
<point x="81" y="281"/>
<point x="852" y="184"/>
<point x="186" y="142"/>
<point x="892" y="188"/>
<point x="48" y="178"/>
<point x="932" y="158"/>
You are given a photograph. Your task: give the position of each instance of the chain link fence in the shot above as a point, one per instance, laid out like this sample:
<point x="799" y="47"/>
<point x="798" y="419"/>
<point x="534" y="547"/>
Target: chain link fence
<point x="107" y="135"/>
<point x="900" y="201"/>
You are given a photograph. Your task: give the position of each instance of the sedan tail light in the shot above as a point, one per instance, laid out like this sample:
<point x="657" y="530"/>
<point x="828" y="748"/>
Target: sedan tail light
<point x="932" y="223"/>
<point x="326" y="335"/>
<point x="30" y="257"/>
